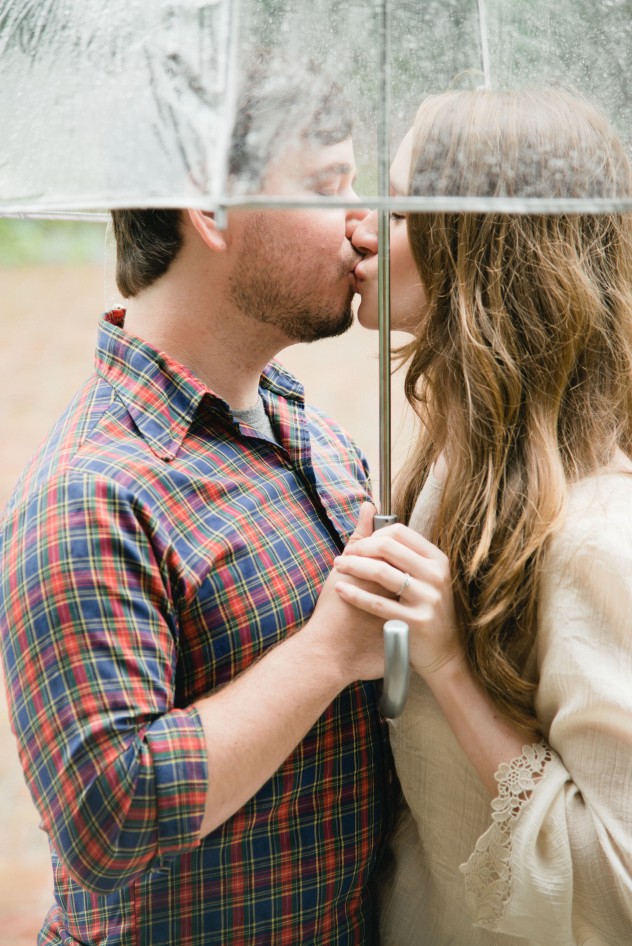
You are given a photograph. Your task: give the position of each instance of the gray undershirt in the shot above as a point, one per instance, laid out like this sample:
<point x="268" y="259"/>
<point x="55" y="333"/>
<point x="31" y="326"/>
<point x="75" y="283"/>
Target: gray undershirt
<point x="256" y="417"/>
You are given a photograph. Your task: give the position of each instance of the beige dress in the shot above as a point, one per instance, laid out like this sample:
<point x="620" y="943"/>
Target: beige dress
<point x="549" y="861"/>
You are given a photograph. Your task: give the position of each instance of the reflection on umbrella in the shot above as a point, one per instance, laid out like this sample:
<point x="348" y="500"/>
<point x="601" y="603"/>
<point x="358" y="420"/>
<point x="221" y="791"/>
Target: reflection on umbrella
<point x="129" y="104"/>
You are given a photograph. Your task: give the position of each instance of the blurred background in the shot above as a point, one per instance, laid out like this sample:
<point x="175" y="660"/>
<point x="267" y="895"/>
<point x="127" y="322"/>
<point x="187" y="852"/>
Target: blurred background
<point x="56" y="278"/>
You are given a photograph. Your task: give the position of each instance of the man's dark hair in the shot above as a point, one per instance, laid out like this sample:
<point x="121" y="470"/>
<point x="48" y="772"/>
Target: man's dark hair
<point x="277" y="102"/>
<point x="281" y="102"/>
<point x="147" y="242"/>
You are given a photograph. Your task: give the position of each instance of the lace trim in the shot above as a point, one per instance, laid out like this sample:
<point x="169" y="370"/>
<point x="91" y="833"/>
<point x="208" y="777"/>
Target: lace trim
<point x="488" y="870"/>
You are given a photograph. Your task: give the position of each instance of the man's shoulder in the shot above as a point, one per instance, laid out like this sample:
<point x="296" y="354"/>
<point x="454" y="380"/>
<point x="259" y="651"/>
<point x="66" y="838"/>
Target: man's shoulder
<point x="91" y="435"/>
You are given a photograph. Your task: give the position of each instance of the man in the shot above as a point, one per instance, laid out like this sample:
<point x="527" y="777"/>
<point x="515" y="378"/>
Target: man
<point x="204" y="760"/>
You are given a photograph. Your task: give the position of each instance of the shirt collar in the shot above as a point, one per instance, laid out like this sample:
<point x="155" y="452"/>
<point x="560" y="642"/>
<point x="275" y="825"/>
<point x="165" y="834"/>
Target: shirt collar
<point x="161" y="395"/>
<point x="278" y="379"/>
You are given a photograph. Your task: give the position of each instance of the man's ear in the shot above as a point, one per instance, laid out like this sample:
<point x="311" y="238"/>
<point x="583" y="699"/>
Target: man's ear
<point x="204" y="223"/>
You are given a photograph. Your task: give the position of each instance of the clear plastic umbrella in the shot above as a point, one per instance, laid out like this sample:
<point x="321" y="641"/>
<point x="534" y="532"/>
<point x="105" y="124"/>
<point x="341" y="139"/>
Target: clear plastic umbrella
<point x="124" y="103"/>
<point x="116" y="102"/>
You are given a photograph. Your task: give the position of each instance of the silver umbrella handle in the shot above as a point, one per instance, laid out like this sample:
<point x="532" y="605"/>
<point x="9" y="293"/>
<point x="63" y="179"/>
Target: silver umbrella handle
<point x="396" y="658"/>
<point x="396" y="654"/>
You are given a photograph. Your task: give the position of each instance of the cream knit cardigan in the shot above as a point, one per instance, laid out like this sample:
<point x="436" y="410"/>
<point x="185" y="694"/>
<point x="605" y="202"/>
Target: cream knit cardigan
<point x="549" y="861"/>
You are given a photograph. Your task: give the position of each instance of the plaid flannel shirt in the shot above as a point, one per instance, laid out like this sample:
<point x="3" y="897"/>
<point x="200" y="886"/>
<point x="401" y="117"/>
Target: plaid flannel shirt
<point x="153" y="549"/>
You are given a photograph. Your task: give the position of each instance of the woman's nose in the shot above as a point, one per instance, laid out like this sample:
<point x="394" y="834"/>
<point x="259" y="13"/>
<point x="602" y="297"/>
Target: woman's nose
<point x="364" y="237"/>
<point x="354" y="216"/>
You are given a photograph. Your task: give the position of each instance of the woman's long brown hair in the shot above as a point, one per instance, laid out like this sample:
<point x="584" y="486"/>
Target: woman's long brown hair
<point x="521" y="371"/>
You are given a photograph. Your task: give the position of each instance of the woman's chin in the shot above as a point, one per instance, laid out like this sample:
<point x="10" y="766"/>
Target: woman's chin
<point x="367" y="314"/>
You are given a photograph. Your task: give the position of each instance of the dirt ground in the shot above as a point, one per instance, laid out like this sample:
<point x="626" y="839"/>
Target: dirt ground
<point x="47" y="323"/>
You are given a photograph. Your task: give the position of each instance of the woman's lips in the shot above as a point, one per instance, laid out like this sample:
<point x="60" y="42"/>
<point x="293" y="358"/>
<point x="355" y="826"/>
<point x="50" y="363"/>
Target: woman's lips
<point x="358" y="277"/>
<point x="356" y="283"/>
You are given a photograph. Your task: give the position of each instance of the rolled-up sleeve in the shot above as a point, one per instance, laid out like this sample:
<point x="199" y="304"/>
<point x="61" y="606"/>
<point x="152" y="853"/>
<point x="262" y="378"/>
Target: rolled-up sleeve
<point x="90" y="643"/>
<point x="557" y="861"/>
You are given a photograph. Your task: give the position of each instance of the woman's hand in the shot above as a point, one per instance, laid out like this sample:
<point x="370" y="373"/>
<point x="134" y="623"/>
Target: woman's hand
<point x="417" y="574"/>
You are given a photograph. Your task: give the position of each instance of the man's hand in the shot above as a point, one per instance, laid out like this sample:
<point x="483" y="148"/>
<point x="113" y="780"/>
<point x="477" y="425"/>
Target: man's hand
<point x="354" y="640"/>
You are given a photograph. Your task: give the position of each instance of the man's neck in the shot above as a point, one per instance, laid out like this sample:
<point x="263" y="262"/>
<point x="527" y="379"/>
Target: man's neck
<point x="224" y="348"/>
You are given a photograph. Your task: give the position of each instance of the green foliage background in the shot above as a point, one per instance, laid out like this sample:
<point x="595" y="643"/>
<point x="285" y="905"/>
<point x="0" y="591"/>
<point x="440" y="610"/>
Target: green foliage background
<point x="24" y="242"/>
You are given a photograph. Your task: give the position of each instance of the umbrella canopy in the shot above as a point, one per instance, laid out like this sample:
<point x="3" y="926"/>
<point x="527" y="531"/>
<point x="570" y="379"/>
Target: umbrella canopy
<point x="126" y="103"/>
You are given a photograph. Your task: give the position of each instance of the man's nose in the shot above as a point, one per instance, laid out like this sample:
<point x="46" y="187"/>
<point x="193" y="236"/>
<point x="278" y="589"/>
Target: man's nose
<point x="364" y="236"/>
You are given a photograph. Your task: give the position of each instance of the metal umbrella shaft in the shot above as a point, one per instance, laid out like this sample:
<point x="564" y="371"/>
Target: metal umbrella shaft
<point x="395" y="687"/>
<point x="386" y="516"/>
<point x="396" y="648"/>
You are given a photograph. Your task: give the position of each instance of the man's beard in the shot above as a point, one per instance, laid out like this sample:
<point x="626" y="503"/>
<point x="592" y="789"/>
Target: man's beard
<point x="301" y="320"/>
<point x="258" y="290"/>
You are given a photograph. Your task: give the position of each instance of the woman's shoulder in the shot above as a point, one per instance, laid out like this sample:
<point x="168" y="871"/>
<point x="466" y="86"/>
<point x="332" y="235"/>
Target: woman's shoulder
<point x="427" y="504"/>
<point x="601" y="496"/>
<point x="598" y="516"/>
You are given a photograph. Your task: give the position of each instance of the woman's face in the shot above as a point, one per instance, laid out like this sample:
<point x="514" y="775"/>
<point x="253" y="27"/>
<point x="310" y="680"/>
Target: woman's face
<point x="407" y="294"/>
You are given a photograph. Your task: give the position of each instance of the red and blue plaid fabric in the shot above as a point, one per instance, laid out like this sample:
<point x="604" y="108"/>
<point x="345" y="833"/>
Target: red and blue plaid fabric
<point x="153" y="549"/>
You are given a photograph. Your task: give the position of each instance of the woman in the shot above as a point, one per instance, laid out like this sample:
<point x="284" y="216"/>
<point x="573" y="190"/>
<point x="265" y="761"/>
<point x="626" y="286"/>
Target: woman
<point x="515" y="748"/>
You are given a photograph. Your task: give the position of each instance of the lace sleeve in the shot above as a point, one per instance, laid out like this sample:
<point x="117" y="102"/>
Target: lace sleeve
<point x="488" y="870"/>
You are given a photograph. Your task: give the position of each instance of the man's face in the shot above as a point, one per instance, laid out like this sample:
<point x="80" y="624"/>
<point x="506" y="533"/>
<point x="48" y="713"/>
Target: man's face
<point x="292" y="269"/>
